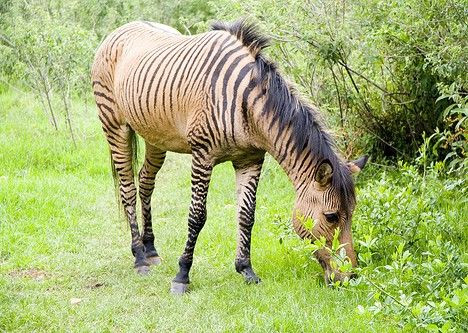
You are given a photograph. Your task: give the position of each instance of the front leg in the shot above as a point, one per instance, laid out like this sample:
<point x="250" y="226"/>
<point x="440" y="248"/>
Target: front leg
<point x="201" y="174"/>
<point x="247" y="177"/>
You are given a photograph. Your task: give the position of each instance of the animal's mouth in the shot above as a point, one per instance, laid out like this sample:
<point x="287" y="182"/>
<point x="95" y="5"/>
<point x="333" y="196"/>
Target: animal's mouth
<point x="333" y="275"/>
<point x="323" y="263"/>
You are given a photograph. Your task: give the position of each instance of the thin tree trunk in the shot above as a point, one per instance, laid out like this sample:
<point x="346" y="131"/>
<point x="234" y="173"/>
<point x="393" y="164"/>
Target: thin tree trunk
<point x="49" y="103"/>
<point x="45" y="84"/>
<point x="66" y="99"/>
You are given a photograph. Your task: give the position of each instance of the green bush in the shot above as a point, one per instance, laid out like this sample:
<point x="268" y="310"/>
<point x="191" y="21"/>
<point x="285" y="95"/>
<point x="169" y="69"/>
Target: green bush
<point x="378" y="67"/>
<point x="409" y="233"/>
<point x="451" y="143"/>
<point x="48" y="46"/>
<point x="412" y="249"/>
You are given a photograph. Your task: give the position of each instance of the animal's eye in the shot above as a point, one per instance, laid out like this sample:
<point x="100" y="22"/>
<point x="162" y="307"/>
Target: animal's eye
<point x="332" y="217"/>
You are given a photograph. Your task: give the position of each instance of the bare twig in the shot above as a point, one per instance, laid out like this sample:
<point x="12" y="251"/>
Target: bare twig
<point x="375" y="285"/>
<point x="290" y="65"/>
<point x="338" y="95"/>
<point x="65" y="99"/>
<point x="280" y="38"/>
<point x="7" y="41"/>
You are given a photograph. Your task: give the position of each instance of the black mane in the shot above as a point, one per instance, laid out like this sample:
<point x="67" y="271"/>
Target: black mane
<point x="246" y="33"/>
<point x="286" y="109"/>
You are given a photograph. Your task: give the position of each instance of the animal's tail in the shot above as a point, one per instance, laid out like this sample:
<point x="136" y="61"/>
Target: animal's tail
<point x="133" y="137"/>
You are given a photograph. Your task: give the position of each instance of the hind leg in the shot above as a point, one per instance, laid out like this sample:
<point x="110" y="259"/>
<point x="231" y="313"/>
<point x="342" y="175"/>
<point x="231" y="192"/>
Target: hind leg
<point x="120" y="139"/>
<point x="154" y="159"/>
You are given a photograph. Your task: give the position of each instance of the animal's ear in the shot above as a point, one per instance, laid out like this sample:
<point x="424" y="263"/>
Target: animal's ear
<point x="324" y="173"/>
<point x="357" y="165"/>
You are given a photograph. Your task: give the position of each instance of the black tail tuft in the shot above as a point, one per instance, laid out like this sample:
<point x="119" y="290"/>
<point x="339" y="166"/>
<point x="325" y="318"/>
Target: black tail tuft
<point x="116" y="182"/>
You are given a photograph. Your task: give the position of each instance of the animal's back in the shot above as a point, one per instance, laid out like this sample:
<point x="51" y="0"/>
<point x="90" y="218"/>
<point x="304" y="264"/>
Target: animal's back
<point x="168" y="86"/>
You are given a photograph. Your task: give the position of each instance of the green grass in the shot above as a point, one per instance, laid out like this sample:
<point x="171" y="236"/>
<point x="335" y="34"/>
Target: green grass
<point x="61" y="237"/>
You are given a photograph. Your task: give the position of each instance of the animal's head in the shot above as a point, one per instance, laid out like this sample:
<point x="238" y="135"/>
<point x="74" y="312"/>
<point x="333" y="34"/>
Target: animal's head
<point x="329" y="200"/>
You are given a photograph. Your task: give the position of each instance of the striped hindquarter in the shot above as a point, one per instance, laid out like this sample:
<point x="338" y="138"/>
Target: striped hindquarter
<point x="186" y="94"/>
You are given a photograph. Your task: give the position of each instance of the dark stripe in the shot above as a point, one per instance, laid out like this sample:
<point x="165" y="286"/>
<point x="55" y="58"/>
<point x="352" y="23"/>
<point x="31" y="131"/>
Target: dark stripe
<point x="155" y="57"/>
<point x="243" y="72"/>
<point x="96" y="93"/>
<point x="245" y="98"/>
<point x="117" y="37"/>
<point x="187" y="69"/>
<point x="227" y="77"/>
<point x="215" y="75"/>
<point x="165" y="61"/>
<point x="194" y="78"/>
<point x="177" y="71"/>
<point x="149" y="56"/>
<point x="172" y="76"/>
<point x="99" y="83"/>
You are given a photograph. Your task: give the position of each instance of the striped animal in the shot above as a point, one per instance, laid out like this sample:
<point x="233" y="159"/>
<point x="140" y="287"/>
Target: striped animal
<point x="216" y="97"/>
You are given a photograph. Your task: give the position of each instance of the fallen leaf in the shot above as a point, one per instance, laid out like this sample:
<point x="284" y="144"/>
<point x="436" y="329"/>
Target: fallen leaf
<point x="74" y="301"/>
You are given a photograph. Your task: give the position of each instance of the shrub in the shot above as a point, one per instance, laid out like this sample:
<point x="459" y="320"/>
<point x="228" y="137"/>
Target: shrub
<point x="410" y="248"/>
<point x="379" y="67"/>
<point x="49" y="46"/>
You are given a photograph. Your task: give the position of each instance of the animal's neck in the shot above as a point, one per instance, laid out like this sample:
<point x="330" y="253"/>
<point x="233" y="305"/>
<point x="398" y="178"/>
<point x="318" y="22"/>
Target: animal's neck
<point x="288" y="128"/>
<point x="290" y="162"/>
<point x="280" y="144"/>
<point x="299" y="167"/>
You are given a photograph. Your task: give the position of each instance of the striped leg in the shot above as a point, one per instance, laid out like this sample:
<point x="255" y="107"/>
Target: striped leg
<point x="201" y="174"/>
<point x="120" y="142"/>
<point x="154" y="159"/>
<point x="247" y="177"/>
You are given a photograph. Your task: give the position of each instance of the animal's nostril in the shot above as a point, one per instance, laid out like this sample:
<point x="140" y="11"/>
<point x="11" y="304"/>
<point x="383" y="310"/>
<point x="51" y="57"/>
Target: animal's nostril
<point x="323" y="264"/>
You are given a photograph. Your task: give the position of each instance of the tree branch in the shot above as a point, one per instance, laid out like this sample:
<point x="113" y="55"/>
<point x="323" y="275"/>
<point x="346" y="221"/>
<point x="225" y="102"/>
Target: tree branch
<point x="6" y="41"/>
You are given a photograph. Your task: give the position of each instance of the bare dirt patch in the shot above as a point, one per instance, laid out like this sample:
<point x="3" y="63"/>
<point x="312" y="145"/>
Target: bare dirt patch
<point x="95" y="285"/>
<point x="31" y="273"/>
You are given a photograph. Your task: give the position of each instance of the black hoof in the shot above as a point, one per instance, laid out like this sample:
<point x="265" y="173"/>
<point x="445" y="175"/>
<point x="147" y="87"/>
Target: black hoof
<point x="252" y="279"/>
<point x="142" y="270"/>
<point x="155" y="260"/>
<point x="249" y="276"/>
<point x="150" y="252"/>
<point x="178" y="288"/>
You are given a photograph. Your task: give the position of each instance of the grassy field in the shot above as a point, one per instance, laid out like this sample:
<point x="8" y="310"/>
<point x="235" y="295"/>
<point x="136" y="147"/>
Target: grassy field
<point x="61" y="237"/>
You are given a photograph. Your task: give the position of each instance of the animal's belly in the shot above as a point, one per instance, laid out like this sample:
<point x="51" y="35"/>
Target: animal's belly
<point x="171" y="143"/>
<point x="163" y="137"/>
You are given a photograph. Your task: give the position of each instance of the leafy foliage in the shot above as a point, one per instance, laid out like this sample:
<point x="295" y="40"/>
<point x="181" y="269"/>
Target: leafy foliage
<point x="452" y="142"/>
<point x="48" y="46"/>
<point x="392" y="75"/>
<point x="384" y="70"/>
<point x="411" y="249"/>
<point x="378" y="66"/>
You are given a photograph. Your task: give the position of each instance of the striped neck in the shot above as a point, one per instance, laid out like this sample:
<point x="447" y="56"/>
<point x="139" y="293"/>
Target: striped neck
<point x="299" y="165"/>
